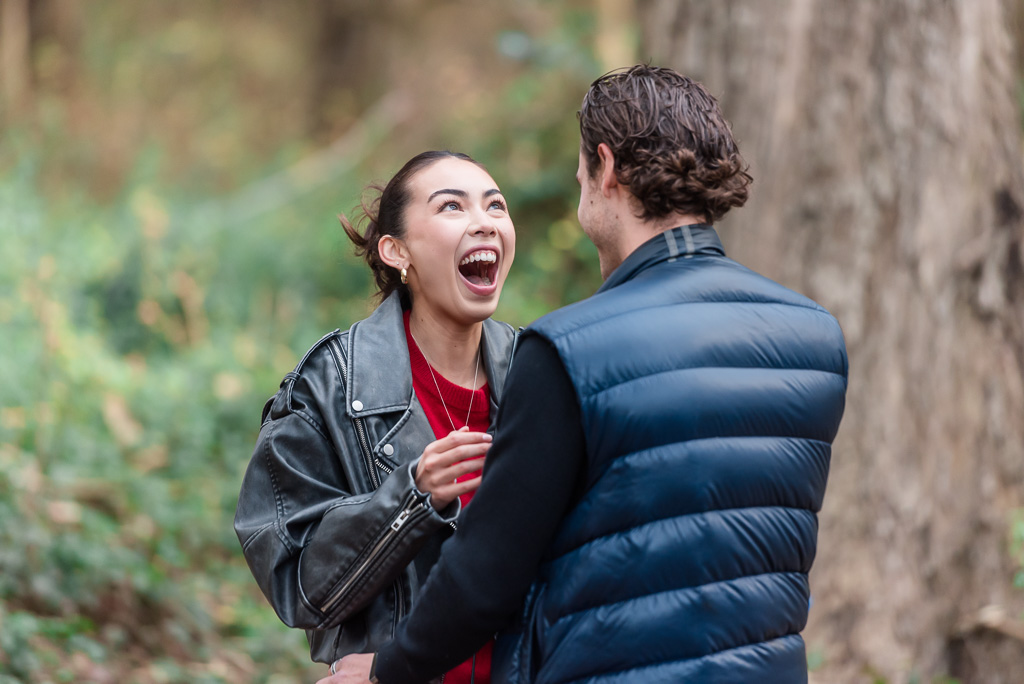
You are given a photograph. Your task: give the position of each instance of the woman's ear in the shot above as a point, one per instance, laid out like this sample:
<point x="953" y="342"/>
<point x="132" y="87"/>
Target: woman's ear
<point x="393" y="252"/>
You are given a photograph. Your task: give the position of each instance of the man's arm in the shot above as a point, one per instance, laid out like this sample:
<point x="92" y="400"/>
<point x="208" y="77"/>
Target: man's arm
<point x="532" y="476"/>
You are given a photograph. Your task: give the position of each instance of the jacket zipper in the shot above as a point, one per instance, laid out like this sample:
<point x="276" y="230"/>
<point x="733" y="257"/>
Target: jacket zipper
<point x="364" y="443"/>
<point x="417" y="507"/>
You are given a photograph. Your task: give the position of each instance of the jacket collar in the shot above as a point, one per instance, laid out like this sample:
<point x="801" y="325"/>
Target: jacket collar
<point x="682" y="242"/>
<point x="379" y="374"/>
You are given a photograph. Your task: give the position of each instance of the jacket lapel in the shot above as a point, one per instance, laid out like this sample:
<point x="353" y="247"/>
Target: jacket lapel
<point x="379" y="374"/>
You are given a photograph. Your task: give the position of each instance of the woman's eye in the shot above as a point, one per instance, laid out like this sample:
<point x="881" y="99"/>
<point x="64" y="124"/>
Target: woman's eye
<point x="498" y="204"/>
<point x="450" y="206"/>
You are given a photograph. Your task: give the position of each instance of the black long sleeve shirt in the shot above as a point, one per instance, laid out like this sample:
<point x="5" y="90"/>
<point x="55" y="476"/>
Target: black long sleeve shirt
<point x="532" y="477"/>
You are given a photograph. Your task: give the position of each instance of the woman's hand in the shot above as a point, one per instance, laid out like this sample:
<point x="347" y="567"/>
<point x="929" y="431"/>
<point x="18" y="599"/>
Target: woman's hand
<point x="352" y="669"/>
<point x="446" y="460"/>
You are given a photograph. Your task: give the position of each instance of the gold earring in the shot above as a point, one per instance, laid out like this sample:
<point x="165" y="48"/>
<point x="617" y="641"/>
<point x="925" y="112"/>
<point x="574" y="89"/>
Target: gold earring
<point x="405" y="276"/>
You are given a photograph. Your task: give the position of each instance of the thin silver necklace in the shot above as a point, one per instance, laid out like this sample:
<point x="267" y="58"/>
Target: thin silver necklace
<point x="440" y="396"/>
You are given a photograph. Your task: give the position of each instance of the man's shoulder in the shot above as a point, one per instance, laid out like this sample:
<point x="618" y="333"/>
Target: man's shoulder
<point x="719" y="282"/>
<point x="570" y="317"/>
<point x="736" y="282"/>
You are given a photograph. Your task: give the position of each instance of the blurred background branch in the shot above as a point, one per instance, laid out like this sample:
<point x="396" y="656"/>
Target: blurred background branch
<point x="319" y="168"/>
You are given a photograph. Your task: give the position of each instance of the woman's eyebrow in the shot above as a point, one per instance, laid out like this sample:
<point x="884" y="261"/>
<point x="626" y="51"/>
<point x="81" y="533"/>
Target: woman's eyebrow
<point x="461" y="193"/>
<point x="448" y="191"/>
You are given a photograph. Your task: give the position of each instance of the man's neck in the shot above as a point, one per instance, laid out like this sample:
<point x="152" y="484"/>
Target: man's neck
<point x="634" y="232"/>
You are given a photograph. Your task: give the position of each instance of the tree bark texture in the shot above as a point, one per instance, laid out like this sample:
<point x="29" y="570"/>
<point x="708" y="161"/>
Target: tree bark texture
<point x="884" y="140"/>
<point x="15" y="65"/>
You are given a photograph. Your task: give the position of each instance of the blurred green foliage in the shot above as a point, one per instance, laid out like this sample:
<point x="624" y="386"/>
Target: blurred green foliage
<point x="146" y="319"/>
<point x="130" y="387"/>
<point x="1017" y="547"/>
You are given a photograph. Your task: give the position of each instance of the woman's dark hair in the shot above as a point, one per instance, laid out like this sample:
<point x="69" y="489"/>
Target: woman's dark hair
<point x="673" y="148"/>
<point x="385" y="215"/>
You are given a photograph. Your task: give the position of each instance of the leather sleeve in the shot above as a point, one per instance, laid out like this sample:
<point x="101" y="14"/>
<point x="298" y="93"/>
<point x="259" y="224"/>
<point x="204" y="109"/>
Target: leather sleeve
<point x="319" y="545"/>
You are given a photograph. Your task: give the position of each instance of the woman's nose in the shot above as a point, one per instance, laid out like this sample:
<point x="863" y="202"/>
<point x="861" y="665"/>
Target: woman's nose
<point x="483" y="227"/>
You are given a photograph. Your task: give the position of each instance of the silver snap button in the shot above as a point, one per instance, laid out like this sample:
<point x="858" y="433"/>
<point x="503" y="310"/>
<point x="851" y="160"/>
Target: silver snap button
<point x="357" y="405"/>
<point x="388" y="450"/>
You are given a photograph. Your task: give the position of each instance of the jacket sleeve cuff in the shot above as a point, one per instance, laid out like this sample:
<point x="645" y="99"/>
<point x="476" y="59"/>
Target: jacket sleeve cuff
<point x="447" y="514"/>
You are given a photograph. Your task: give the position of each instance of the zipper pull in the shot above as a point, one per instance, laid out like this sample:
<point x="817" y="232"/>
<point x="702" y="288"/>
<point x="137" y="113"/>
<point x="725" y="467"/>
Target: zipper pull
<point x="414" y="503"/>
<point x="400" y="520"/>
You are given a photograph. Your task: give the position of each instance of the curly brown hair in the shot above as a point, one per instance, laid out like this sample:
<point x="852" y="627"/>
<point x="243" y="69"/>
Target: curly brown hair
<point x="673" y="148"/>
<point x="384" y="214"/>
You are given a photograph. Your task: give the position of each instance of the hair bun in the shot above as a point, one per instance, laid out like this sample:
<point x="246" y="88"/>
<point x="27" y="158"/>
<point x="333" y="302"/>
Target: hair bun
<point x="673" y="148"/>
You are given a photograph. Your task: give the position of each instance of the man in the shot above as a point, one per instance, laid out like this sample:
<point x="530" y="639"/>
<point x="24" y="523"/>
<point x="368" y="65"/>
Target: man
<point x="648" y="509"/>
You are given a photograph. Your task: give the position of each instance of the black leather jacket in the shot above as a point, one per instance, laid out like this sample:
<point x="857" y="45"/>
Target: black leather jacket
<point x="331" y="524"/>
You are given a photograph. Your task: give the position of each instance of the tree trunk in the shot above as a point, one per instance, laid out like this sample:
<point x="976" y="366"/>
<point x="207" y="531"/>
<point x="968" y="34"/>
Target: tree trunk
<point x="885" y="144"/>
<point x="613" y="39"/>
<point x="346" y="32"/>
<point x="15" y="64"/>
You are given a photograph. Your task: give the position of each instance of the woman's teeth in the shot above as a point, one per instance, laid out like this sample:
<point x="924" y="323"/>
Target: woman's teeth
<point x="479" y="256"/>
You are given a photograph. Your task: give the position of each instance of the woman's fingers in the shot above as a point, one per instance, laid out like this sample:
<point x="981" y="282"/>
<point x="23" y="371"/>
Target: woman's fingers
<point x="433" y="478"/>
<point x="457" y="470"/>
<point x="469" y="485"/>
<point x="445" y="494"/>
<point x="459" y="438"/>
<point x="447" y="459"/>
<point x="440" y="454"/>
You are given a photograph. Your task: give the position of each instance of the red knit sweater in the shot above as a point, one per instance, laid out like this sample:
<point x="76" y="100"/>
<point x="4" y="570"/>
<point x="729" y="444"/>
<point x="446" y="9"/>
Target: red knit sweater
<point x="456" y="403"/>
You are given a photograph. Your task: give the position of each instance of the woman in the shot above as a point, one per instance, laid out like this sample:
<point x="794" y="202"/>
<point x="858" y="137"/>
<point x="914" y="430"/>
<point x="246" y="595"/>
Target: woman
<point x="376" y="439"/>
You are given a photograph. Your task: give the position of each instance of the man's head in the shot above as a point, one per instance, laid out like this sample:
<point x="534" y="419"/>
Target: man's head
<point x="670" y="145"/>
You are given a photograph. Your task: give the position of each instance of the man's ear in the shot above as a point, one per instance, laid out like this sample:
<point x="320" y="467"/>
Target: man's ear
<point x="393" y="252"/>
<point x="606" y="171"/>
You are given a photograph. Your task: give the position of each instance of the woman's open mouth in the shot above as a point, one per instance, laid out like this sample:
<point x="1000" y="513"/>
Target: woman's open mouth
<point x="479" y="270"/>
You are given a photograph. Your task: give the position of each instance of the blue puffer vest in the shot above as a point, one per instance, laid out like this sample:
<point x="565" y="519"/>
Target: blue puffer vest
<point x="710" y="396"/>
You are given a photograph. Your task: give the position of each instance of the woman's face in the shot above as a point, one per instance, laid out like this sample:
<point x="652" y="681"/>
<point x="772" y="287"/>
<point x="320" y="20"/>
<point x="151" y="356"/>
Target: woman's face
<point x="459" y="240"/>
